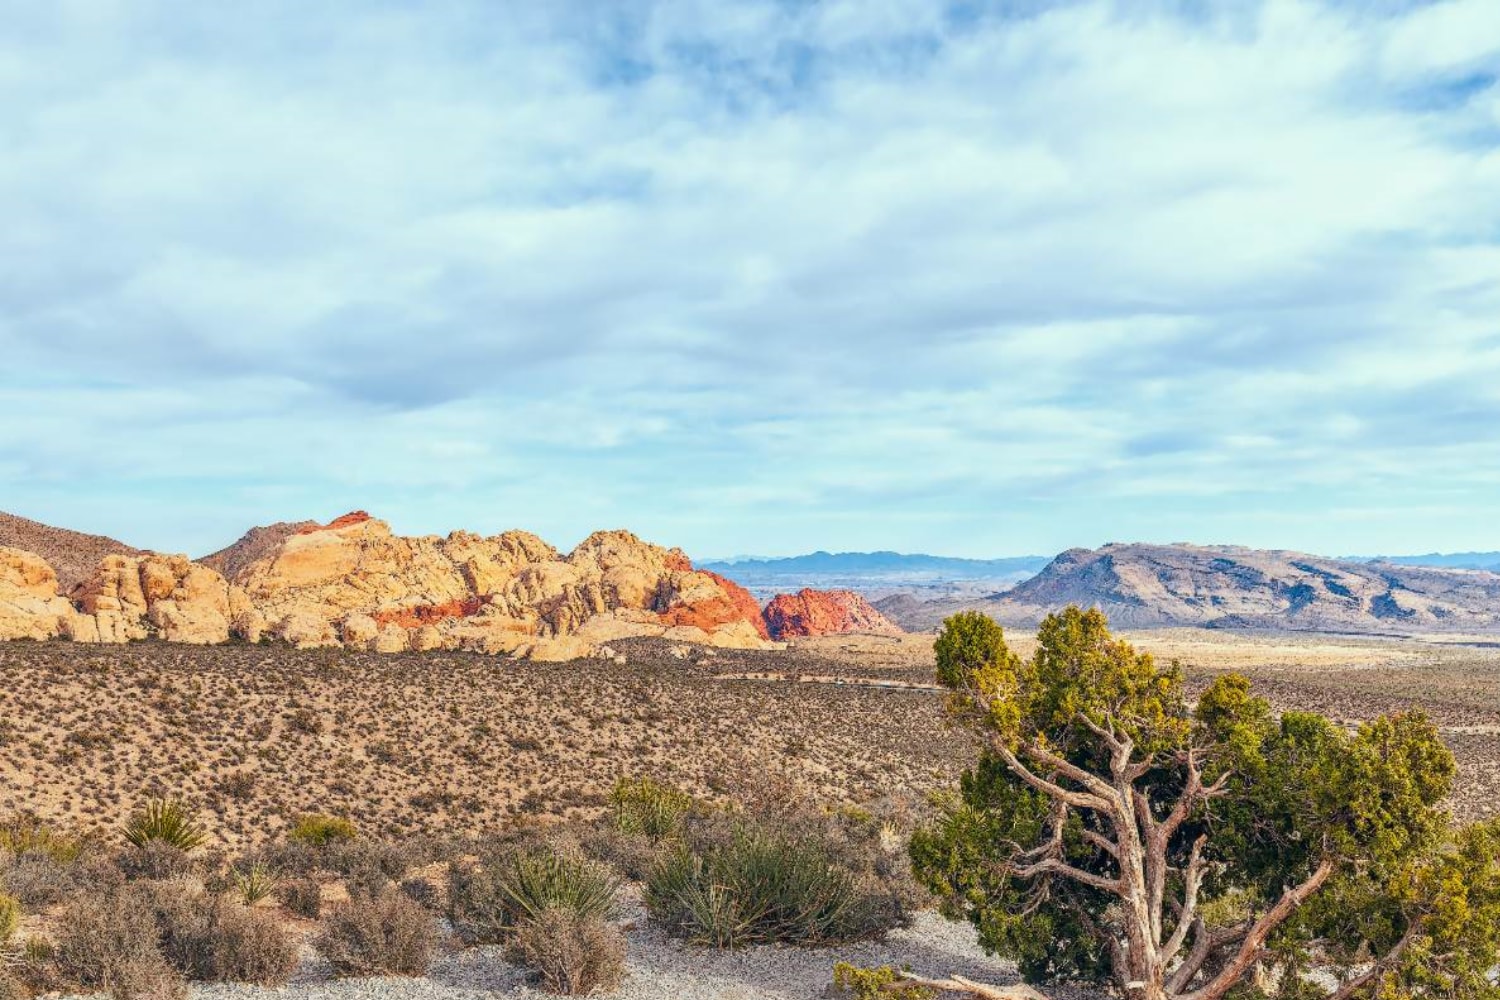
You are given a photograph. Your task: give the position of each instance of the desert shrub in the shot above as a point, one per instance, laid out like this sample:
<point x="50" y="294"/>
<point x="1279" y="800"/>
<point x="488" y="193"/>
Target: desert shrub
<point x="109" y="942"/>
<point x="633" y="855"/>
<point x="302" y="896"/>
<point x="647" y="808"/>
<point x="513" y="886"/>
<point x="368" y="880"/>
<point x="26" y="835"/>
<point x="881" y="983"/>
<point x="758" y="886"/>
<point x="10" y="916"/>
<point x="216" y="940"/>
<point x="374" y="935"/>
<point x="165" y="821"/>
<point x="11" y="988"/>
<point x="572" y="955"/>
<point x="318" y="830"/>
<point x="152" y="935"/>
<point x="424" y="892"/>
<point x="39" y="880"/>
<point x="155" y="860"/>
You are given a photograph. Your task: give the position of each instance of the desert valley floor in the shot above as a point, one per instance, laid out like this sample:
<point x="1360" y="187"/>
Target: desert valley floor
<point x="454" y="743"/>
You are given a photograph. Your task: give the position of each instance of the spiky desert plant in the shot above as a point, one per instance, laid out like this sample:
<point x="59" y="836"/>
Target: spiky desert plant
<point x="648" y="808"/>
<point x="256" y="882"/>
<point x="165" y="821"/>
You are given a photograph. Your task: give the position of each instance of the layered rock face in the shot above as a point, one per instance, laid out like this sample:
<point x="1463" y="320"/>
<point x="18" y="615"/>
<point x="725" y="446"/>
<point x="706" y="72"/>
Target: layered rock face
<point x="824" y="612"/>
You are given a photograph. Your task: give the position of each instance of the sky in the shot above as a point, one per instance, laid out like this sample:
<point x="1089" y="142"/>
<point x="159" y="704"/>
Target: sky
<point x="757" y="277"/>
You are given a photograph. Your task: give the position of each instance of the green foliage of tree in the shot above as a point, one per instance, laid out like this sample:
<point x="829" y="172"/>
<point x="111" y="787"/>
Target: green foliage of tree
<point x="1113" y="832"/>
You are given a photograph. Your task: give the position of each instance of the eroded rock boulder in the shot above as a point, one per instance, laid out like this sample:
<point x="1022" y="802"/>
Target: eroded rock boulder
<point x="30" y="607"/>
<point x="825" y="612"/>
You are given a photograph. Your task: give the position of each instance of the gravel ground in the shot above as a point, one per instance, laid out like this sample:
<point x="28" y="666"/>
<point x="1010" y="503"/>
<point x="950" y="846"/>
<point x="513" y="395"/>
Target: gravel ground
<point x="661" y="968"/>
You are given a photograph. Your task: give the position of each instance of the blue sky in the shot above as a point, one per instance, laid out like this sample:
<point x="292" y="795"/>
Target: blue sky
<point x="756" y="277"/>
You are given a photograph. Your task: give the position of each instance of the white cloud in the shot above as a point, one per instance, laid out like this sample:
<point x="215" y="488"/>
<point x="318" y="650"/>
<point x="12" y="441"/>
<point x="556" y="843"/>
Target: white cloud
<point x="753" y="276"/>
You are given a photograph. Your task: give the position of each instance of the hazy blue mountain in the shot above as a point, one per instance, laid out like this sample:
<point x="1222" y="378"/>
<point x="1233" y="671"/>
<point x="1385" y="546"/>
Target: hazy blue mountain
<point x="1445" y="560"/>
<point x="881" y="562"/>
<point x="879" y="574"/>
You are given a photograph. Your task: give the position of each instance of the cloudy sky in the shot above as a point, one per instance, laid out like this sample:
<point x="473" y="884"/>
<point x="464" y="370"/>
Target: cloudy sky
<point x="759" y="277"/>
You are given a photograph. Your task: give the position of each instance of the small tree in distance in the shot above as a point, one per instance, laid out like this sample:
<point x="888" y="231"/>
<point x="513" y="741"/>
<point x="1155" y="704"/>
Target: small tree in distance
<point x="1112" y="833"/>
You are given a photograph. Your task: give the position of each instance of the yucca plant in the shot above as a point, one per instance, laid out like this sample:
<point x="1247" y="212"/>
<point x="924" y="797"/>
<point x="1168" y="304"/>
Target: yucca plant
<point x="647" y="808"/>
<point x="165" y="821"/>
<point x="489" y="902"/>
<point x="535" y="881"/>
<point x="760" y="887"/>
<point x="256" y="882"/>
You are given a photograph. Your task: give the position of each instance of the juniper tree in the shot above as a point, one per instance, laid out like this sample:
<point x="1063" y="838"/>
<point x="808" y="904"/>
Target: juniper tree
<point x="1112" y="832"/>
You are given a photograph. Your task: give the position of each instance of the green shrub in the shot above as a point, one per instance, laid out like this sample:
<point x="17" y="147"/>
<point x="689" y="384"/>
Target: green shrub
<point x="25" y="835"/>
<point x="375" y="935"/>
<point x="10" y="917"/>
<point x="165" y="821"/>
<point x="320" y="831"/>
<point x="646" y="808"/>
<point x="572" y="955"/>
<point x="883" y="983"/>
<point x="761" y="886"/>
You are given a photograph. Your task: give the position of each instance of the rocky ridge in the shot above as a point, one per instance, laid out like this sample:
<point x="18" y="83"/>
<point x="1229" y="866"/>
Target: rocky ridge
<point x="352" y="583"/>
<point x="1225" y="586"/>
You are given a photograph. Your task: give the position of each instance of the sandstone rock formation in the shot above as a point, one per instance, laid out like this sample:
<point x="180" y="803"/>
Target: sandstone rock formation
<point x="824" y="612"/>
<point x="1233" y="587"/>
<point x="30" y="607"/>
<point x="166" y="597"/>
<point x="352" y="582"/>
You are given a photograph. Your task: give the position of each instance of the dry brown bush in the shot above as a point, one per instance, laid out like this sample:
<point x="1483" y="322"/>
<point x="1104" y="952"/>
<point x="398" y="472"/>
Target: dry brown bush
<point x="387" y="934"/>
<point x="572" y="955"/>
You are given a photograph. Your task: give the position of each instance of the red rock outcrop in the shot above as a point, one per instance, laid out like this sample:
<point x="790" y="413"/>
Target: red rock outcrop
<point x="736" y="604"/>
<point x="824" y="612"/>
<point x="342" y="521"/>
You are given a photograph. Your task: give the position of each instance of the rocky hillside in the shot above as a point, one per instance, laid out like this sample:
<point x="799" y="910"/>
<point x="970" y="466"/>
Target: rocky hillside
<point x="1232" y="587"/>
<point x="71" y="554"/>
<point x="355" y="584"/>
<point x="824" y="612"/>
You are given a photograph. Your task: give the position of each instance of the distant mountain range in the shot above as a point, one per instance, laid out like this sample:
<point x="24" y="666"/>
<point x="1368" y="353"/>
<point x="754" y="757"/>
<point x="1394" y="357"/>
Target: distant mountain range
<point x="1224" y="586"/>
<point x="880" y="574"/>
<point x="1448" y="560"/>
